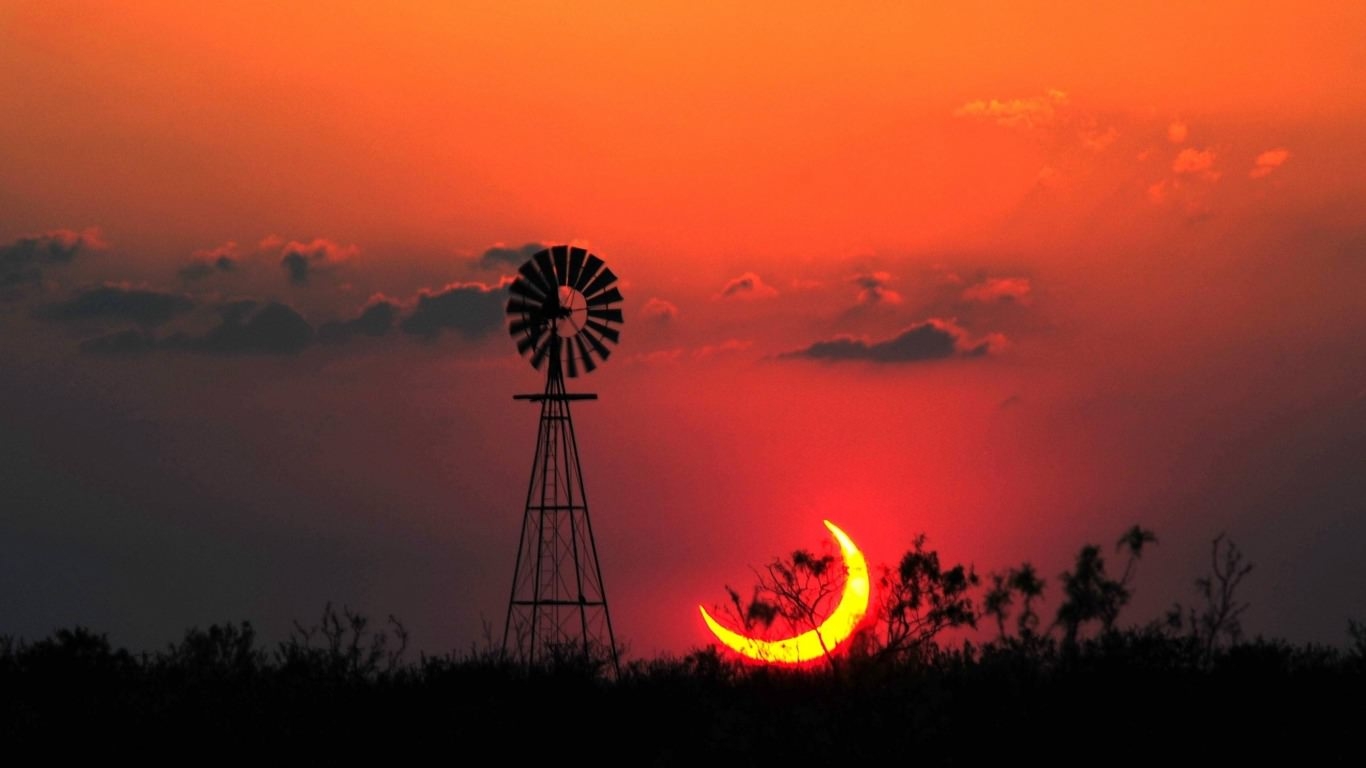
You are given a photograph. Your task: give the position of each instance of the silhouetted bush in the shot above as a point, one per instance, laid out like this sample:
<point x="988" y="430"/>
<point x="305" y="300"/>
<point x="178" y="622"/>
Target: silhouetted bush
<point x="1159" y="692"/>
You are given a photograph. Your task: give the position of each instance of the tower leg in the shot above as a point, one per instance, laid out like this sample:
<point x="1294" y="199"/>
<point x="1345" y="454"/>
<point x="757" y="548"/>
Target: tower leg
<point x="558" y="609"/>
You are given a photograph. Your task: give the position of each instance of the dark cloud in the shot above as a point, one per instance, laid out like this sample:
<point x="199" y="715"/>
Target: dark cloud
<point x="376" y="319"/>
<point x="248" y="327"/>
<point x="931" y="340"/>
<point x="22" y="260"/>
<point x="253" y="327"/>
<point x="126" y="343"/>
<point x="747" y="286"/>
<point x="472" y="309"/>
<point x="144" y="307"/>
<point x="873" y="288"/>
<point x="301" y="260"/>
<point x="500" y="256"/>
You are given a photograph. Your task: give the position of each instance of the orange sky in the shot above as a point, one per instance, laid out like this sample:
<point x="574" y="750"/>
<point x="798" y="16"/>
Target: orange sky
<point x="1150" y="216"/>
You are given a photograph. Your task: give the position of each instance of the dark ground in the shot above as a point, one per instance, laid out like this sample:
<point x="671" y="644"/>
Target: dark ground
<point x="1126" y="697"/>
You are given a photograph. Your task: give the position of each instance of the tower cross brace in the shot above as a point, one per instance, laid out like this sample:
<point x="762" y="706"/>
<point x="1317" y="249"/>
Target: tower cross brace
<point x="558" y="607"/>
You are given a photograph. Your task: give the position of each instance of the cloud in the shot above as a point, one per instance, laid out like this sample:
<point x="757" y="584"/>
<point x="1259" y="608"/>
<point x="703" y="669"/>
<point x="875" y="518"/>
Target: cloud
<point x="250" y="327"/>
<point x="376" y="318"/>
<point x="1177" y="132"/>
<point x="1051" y="117"/>
<point x="873" y="288"/>
<point x="472" y="309"/>
<point x="1026" y="113"/>
<point x="500" y="255"/>
<point x="22" y="260"/>
<point x="675" y="355"/>
<point x="224" y="258"/>
<point x="1193" y="162"/>
<point x="660" y="357"/>
<point x="933" y="339"/>
<point x="727" y="347"/>
<point x="747" y="286"/>
<point x="659" y="311"/>
<point x="994" y="289"/>
<point x="301" y="260"/>
<point x="144" y="307"/>
<point x="1268" y="161"/>
<point x="1190" y="187"/>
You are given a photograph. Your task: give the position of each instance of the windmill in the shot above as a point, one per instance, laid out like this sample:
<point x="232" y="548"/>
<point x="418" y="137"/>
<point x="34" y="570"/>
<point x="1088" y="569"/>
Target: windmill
<point x="564" y="309"/>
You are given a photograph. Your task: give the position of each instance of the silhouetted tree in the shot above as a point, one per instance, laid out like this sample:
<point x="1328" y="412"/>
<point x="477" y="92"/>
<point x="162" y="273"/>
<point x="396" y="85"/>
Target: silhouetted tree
<point x="344" y="650"/>
<point x="1219" y="618"/>
<point x="1025" y="581"/>
<point x="223" y="650"/>
<point x="1134" y="540"/>
<point x="1090" y="594"/>
<point x="799" y="589"/>
<point x="921" y="599"/>
<point x="998" y="600"/>
<point x="914" y="602"/>
<point x="1356" y="651"/>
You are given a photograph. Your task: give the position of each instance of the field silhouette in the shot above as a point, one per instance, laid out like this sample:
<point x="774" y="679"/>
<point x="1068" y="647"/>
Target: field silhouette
<point x="1084" y="689"/>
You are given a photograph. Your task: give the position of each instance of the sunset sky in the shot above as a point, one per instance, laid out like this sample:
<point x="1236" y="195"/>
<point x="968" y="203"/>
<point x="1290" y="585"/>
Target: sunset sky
<point x="1015" y="275"/>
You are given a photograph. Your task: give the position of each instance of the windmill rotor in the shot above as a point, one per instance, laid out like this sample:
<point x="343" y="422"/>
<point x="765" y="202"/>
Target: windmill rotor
<point x="564" y="313"/>
<point x="564" y="309"/>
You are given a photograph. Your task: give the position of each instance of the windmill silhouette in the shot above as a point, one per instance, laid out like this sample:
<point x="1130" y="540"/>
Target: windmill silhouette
<point x="564" y="309"/>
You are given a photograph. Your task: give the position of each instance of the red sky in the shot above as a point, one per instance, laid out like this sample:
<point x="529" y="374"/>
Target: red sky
<point x="1147" y="222"/>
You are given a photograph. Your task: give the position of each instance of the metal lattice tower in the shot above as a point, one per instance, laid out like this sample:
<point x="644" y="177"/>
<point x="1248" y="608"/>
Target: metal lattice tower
<point x="562" y="304"/>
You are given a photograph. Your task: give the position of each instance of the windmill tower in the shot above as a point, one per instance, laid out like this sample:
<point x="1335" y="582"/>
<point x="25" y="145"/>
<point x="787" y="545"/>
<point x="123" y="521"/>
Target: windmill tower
<point x="563" y="309"/>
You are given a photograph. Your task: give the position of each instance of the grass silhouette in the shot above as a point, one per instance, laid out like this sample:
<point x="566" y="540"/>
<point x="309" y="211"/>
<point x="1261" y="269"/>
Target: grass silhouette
<point x="1180" y="690"/>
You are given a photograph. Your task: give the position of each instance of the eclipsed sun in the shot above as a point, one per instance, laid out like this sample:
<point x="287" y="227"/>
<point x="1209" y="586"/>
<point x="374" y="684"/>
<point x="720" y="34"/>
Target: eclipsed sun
<point x="813" y="643"/>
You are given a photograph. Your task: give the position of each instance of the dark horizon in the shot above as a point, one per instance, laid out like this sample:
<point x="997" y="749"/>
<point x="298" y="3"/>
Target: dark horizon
<point x="1016" y="279"/>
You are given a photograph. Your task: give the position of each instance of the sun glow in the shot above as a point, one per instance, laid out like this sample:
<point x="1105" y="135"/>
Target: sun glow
<point x="817" y="642"/>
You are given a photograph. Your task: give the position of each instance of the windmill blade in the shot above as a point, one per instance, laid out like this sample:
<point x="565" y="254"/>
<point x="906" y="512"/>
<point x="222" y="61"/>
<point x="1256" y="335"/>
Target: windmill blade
<point x="547" y="270"/>
<point x="531" y="339"/>
<point x="589" y="269"/>
<point x="588" y="364"/>
<point x="569" y="358"/>
<point x="538" y="359"/>
<point x="604" y="279"/>
<point x="561" y="254"/>
<point x="575" y="265"/>
<point x="602" y="350"/>
<point x="519" y="306"/>
<point x="527" y="290"/>
<point x="533" y="280"/>
<point x="606" y="297"/>
<point x="519" y="327"/>
<point x="606" y="330"/>
<point x="563" y="284"/>
<point x="610" y="315"/>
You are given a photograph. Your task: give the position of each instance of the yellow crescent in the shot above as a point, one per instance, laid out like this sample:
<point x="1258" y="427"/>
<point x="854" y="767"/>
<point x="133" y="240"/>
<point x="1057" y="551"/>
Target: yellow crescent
<point x="813" y="643"/>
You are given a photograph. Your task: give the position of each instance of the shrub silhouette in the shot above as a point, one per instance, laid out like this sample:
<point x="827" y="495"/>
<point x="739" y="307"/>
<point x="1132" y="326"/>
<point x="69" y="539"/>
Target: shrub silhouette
<point x="1090" y="594"/>
<point x="341" y="684"/>
<point x="921" y="599"/>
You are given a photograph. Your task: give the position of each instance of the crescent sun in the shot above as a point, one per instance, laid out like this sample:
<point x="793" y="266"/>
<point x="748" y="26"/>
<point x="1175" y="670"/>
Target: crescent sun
<point x="813" y="643"/>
